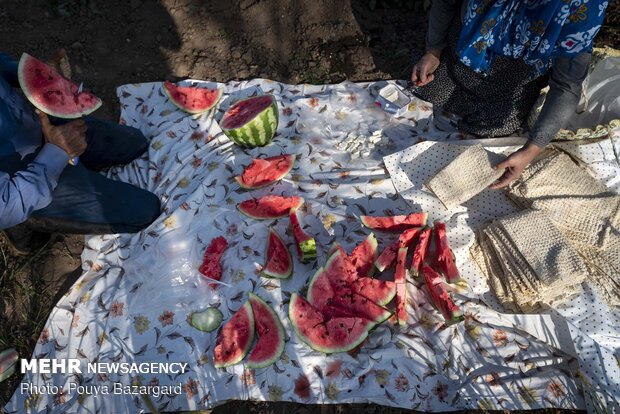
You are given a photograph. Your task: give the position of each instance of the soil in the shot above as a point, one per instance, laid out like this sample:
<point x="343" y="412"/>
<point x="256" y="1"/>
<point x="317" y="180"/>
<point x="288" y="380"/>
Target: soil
<point x="115" y="42"/>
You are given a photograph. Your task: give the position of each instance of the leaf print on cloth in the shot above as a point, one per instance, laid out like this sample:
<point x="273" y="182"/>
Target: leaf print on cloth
<point x="500" y="337"/>
<point x="190" y="388"/>
<point x="141" y="323"/>
<point x="302" y="387"/>
<point x="275" y="393"/>
<point x="401" y="383"/>
<point x="441" y="390"/>
<point x="332" y="392"/>
<point x="382" y="376"/>
<point x="166" y="318"/>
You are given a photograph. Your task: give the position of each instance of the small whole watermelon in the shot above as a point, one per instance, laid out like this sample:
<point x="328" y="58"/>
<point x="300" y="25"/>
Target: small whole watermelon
<point x="251" y="122"/>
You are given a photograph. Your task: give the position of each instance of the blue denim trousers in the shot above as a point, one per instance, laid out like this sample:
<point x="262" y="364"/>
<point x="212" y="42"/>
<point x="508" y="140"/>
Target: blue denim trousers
<point x="86" y="202"/>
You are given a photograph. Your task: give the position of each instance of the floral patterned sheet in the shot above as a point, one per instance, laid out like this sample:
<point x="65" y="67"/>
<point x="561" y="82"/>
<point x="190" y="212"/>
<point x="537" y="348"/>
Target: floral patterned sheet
<point x="132" y="301"/>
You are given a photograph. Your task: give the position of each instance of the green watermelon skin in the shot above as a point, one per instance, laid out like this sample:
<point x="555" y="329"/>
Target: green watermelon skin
<point x="270" y="344"/>
<point x="257" y="132"/>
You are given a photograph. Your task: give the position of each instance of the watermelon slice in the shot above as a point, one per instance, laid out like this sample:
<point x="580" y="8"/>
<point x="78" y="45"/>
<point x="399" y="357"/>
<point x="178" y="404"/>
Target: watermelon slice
<point x="211" y="266"/>
<point x="395" y="223"/>
<point x="445" y="258"/>
<point x="340" y="334"/>
<point x="207" y="320"/>
<point x="270" y="343"/>
<point x="441" y="297"/>
<point x="279" y="263"/>
<point x="420" y="252"/>
<point x="192" y="99"/>
<point x="269" y="206"/>
<point x="51" y="93"/>
<point x="335" y="247"/>
<point x="400" y="279"/>
<point x="235" y="338"/>
<point x="340" y="270"/>
<point x="380" y="292"/>
<point x="251" y="122"/>
<point x="388" y="255"/>
<point x="364" y="255"/>
<point x="306" y="245"/>
<point x="265" y="171"/>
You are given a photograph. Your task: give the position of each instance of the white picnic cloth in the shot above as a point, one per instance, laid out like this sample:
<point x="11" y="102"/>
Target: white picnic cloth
<point x="132" y="301"/>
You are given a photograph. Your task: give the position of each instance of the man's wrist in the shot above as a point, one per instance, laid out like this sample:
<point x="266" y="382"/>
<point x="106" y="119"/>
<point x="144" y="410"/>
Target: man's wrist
<point x="435" y="51"/>
<point x="532" y="148"/>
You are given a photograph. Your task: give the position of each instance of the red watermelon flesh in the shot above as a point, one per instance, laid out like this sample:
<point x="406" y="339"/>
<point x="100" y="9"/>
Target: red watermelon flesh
<point x="211" y="266"/>
<point x="400" y="279"/>
<point x="395" y="223"/>
<point x="269" y="206"/>
<point x="51" y="93"/>
<point x="445" y="257"/>
<point x="441" y="297"/>
<point x="364" y="255"/>
<point x="379" y="291"/>
<point x="388" y="256"/>
<point x="306" y="245"/>
<point x="266" y="171"/>
<point x="244" y="111"/>
<point x="340" y="270"/>
<point x="338" y="334"/>
<point x="279" y="263"/>
<point x="235" y="338"/>
<point x="270" y="343"/>
<point x="191" y="99"/>
<point x="420" y="252"/>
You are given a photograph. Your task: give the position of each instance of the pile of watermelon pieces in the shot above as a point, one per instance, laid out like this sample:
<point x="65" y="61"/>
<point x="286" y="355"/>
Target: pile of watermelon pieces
<point x="344" y="302"/>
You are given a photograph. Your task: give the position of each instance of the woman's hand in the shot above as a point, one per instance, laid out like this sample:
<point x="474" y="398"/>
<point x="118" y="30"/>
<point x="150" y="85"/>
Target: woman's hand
<point x="515" y="164"/>
<point x="423" y="70"/>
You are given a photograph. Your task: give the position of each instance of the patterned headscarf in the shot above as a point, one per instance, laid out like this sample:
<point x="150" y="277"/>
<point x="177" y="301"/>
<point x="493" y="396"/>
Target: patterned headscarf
<point x="536" y="31"/>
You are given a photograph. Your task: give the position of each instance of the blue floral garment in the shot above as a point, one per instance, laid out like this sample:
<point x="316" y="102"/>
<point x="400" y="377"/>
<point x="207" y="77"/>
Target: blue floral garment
<point x="535" y="31"/>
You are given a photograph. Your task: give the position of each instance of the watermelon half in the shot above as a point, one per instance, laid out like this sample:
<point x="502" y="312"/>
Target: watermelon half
<point x="306" y="245"/>
<point x="251" y="122"/>
<point x="445" y="257"/>
<point x="395" y="223"/>
<point x="211" y="266"/>
<point x="265" y="171"/>
<point x="269" y="206"/>
<point x="364" y="255"/>
<point x="270" y="343"/>
<point x="51" y="93"/>
<point x="235" y="338"/>
<point x="441" y="297"/>
<point x="279" y="263"/>
<point x="192" y="99"/>
<point x="339" y="334"/>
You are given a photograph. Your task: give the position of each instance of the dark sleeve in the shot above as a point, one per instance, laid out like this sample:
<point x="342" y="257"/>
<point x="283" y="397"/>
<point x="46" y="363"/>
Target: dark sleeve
<point x="439" y="20"/>
<point x="8" y="69"/>
<point x="565" y="83"/>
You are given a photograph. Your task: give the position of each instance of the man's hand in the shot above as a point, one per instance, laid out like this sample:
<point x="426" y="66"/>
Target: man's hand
<point x="423" y="70"/>
<point x="71" y="137"/>
<point x="515" y="164"/>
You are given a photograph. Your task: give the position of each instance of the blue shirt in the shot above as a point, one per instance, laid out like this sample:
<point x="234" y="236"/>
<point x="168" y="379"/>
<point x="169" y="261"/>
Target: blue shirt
<point x="20" y="132"/>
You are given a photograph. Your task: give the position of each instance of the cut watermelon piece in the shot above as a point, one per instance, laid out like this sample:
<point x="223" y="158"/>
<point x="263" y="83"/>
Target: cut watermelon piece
<point x="269" y="206"/>
<point x="207" y="320"/>
<point x="335" y="247"/>
<point x="364" y="255"/>
<point x="441" y="297"/>
<point x="328" y="336"/>
<point x="306" y="245"/>
<point x="380" y="292"/>
<point x="400" y="279"/>
<point x="388" y="256"/>
<point x="340" y="270"/>
<point x="270" y="343"/>
<point x="251" y="122"/>
<point x="235" y="338"/>
<point x="395" y="223"/>
<point x="420" y="252"/>
<point x="279" y="263"/>
<point x="211" y="266"/>
<point x="445" y="258"/>
<point x="192" y="99"/>
<point x="265" y="171"/>
<point x="51" y="93"/>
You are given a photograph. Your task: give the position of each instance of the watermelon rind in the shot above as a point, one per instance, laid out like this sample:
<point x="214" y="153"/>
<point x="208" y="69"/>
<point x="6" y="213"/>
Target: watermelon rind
<point x="29" y="92"/>
<point x="166" y="85"/>
<point x="434" y="282"/>
<point x="257" y="132"/>
<point x="8" y="362"/>
<point x="353" y="341"/>
<point x="247" y="308"/>
<point x="206" y="320"/>
<point x="249" y="214"/>
<point x="279" y="349"/>
<point x="291" y="158"/>
<point x="308" y="250"/>
<point x="306" y="245"/>
<point x="272" y="273"/>
<point x="387" y="227"/>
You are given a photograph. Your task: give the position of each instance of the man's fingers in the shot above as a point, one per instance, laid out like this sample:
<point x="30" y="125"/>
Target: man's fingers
<point x="414" y="74"/>
<point x="503" y="181"/>
<point x="45" y="121"/>
<point x="502" y="165"/>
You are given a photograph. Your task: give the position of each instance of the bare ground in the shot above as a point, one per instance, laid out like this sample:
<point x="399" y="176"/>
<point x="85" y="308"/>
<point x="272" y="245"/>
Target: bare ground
<point x="114" y="42"/>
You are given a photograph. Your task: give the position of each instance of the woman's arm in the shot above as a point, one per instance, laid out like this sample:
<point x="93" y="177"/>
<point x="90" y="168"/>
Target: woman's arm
<point x="565" y="82"/>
